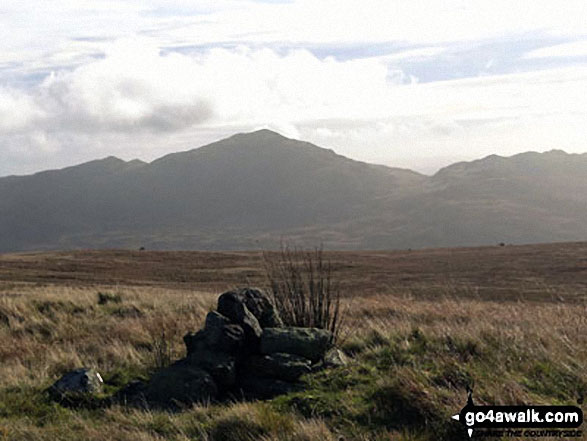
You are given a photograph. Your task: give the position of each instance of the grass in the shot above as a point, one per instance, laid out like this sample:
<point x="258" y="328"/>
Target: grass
<point x="412" y="360"/>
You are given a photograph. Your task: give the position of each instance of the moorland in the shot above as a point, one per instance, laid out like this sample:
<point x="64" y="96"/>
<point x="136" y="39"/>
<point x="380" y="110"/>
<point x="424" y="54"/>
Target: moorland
<point x="422" y="327"/>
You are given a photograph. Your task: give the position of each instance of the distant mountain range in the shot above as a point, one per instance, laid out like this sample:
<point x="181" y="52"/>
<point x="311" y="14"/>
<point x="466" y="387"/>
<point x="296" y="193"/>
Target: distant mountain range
<point x="254" y="190"/>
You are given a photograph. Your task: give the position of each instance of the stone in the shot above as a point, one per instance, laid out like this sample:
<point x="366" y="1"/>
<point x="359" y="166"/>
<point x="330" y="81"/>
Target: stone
<point x="260" y="388"/>
<point x="261" y="306"/>
<point x="195" y="341"/>
<point x="220" y="334"/>
<point x="231" y="305"/>
<point x="335" y="358"/>
<point x="78" y="383"/>
<point x="133" y="393"/>
<point x="220" y="365"/>
<point x="310" y="343"/>
<point x="282" y="366"/>
<point x="179" y="384"/>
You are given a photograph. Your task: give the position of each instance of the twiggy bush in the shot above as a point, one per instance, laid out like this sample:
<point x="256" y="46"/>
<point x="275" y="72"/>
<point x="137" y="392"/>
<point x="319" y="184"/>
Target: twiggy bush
<point x="303" y="288"/>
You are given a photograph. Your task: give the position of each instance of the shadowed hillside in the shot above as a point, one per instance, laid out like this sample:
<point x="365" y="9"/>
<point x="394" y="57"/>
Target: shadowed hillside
<point x="252" y="190"/>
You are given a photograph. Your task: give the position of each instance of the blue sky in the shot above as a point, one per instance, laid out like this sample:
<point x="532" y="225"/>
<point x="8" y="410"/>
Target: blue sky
<point x="407" y="83"/>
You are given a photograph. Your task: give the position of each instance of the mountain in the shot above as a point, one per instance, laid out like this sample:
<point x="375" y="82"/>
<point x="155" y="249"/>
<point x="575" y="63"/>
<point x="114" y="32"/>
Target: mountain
<point x="253" y="190"/>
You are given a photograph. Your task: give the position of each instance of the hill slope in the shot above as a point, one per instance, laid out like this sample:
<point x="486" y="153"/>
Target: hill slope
<point x="251" y="190"/>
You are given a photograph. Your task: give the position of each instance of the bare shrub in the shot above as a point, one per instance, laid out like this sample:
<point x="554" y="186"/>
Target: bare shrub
<point x="303" y="289"/>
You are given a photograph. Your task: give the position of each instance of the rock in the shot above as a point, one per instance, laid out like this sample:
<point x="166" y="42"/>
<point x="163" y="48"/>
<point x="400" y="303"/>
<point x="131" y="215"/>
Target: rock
<point x="310" y="343"/>
<point x="260" y="305"/>
<point x="335" y="358"/>
<point x="133" y="393"/>
<point x="218" y="335"/>
<point x="181" y="383"/>
<point x="282" y="366"/>
<point x="79" y="383"/>
<point x="222" y="335"/>
<point x="220" y="365"/>
<point x="231" y="305"/>
<point x="259" y="388"/>
<point x="195" y="341"/>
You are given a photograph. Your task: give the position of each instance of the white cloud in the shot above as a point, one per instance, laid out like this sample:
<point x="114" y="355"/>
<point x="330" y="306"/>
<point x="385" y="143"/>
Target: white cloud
<point x="415" y="54"/>
<point x="573" y="49"/>
<point x="133" y="88"/>
<point x="39" y="32"/>
<point x="17" y="111"/>
<point x="337" y="21"/>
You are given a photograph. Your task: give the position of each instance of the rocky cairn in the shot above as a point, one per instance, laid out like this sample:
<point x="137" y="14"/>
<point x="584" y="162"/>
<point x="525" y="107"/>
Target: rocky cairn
<point x="243" y="351"/>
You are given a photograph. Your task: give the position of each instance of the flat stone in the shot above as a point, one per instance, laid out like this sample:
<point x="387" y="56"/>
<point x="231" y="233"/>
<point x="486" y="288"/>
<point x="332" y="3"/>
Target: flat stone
<point x="282" y="366"/>
<point x="310" y="343"/>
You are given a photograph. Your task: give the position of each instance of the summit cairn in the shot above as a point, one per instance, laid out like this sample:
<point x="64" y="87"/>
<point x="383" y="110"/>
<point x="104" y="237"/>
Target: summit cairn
<point x="243" y="351"/>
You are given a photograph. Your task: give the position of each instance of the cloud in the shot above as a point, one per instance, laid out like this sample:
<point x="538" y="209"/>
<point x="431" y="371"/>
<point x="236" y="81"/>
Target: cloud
<point x="337" y="21"/>
<point x="81" y="79"/>
<point x="137" y="88"/>
<point x="132" y="88"/>
<point x="46" y="33"/>
<point x="18" y="111"/>
<point x="415" y="54"/>
<point x="572" y="49"/>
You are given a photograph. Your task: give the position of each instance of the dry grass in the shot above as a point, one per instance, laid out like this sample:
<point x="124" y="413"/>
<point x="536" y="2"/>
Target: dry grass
<point x="407" y="346"/>
<point x="49" y="330"/>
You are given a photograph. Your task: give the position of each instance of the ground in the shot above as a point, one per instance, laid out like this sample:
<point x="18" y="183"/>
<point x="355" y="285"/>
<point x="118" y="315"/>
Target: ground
<point x="508" y="321"/>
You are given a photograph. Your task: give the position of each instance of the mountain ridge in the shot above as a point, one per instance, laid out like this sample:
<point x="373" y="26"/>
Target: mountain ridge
<point x="137" y="161"/>
<point x="254" y="189"/>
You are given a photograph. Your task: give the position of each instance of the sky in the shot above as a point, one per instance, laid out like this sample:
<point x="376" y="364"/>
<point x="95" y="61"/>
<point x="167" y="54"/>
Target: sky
<point x="416" y="84"/>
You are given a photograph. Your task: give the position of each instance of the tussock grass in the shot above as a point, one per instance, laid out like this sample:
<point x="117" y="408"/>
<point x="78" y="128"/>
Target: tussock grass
<point x="412" y="361"/>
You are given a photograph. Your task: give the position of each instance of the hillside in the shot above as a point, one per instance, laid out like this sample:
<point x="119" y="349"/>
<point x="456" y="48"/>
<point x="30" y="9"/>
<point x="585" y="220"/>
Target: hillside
<point x="544" y="272"/>
<point x="252" y="190"/>
<point x="422" y="326"/>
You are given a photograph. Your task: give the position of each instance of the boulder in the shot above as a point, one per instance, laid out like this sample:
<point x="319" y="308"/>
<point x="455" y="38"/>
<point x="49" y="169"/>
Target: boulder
<point x="181" y="383"/>
<point x="195" y="341"/>
<point x="218" y="335"/>
<point x="221" y="335"/>
<point x="310" y="343"/>
<point x="131" y="394"/>
<point x="79" y="383"/>
<point x="335" y="358"/>
<point x="282" y="366"/>
<point x="261" y="306"/>
<point x="231" y="305"/>
<point x="220" y="365"/>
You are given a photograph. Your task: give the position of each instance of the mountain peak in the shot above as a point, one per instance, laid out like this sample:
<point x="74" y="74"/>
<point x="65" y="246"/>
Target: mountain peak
<point x="262" y="132"/>
<point x="260" y="135"/>
<point x="255" y="189"/>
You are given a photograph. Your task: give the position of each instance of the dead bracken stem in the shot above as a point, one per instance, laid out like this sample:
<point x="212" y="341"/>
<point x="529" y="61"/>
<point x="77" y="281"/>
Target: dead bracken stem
<point x="162" y="350"/>
<point x="303" y="289"/>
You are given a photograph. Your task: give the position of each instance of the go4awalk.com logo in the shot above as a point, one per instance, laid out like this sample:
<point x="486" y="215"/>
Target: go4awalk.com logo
<point x="520" y="421"/>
